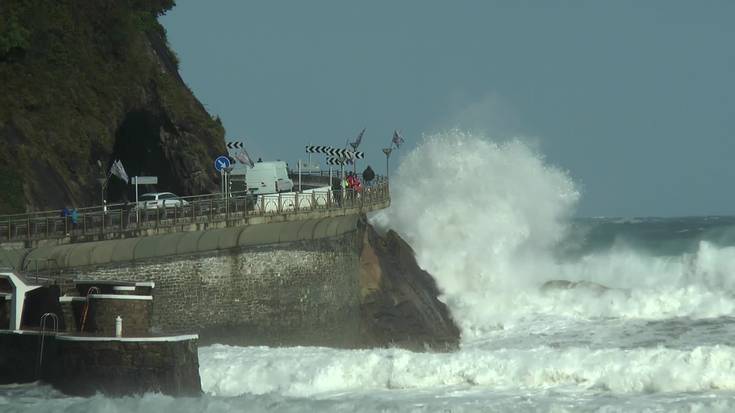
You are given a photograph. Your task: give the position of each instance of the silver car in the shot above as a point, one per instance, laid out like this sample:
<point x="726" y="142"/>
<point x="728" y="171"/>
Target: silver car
<point x="156" y="200"/>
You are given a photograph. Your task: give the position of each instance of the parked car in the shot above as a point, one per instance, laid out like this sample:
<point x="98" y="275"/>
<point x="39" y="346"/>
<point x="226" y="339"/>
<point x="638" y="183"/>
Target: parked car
<point x="156" y="200"/>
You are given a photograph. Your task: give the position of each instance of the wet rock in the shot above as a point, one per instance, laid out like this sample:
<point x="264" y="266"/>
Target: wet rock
<point x="399" y="304"/>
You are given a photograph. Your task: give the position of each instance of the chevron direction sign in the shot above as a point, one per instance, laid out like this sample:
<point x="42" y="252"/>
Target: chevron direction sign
<point x="335" y="152"/>
<point x="339" y="161"/>
<point x="235" y="145"/>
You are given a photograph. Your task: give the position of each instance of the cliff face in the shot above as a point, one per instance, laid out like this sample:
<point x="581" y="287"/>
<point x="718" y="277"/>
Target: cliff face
<point x="399" y="305"/>
<point x="83" y="83"/>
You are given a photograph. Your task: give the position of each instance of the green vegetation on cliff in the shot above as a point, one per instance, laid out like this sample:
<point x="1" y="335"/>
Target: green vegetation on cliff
<point x="83" y="83"/>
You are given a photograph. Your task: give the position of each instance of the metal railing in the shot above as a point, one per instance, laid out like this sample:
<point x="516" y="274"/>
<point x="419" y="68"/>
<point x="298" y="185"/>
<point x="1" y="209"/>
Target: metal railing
<point x="120" y="218"/>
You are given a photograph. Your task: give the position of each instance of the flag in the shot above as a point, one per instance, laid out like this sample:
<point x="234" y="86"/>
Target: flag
<point x="118" y="170"/>
<point x="397" y="139"/>
<point x="244" y="158"/>
<point x="357" y="141"/>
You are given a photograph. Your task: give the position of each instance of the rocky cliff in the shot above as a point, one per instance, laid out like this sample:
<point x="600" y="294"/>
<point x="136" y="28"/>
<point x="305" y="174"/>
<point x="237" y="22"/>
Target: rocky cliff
<point x="399" y="300"/>
<point x="83" y="83"/>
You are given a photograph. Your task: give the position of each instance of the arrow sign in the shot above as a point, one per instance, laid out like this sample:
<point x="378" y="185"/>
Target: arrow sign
<point x="235" y="145"/>
<point x="335" y="152"/>
<point x="339" y="161"/>
<point x="221" y="163"/>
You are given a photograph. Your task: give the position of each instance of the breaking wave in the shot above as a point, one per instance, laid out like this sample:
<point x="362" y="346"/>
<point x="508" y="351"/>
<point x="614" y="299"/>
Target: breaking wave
<point x="308" y="372"/>
<point x="488" y="219"/>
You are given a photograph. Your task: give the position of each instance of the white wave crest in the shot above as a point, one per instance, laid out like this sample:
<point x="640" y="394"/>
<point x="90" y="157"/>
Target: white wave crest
<point x="485" y="219"/>
<point x="307" y="372"/>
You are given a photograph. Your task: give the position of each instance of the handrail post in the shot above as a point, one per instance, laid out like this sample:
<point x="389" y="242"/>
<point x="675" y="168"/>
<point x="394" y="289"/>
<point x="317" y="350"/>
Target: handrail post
<point x="211" y="210"/>
<point x="28" y="227"/>
<point x="296" y="201"/>
<point x="280" y="205"/>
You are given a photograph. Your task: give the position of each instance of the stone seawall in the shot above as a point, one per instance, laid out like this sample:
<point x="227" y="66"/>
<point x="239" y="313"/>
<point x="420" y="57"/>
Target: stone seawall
<point x="294" y="293"/>
<point x="285" y="283"/>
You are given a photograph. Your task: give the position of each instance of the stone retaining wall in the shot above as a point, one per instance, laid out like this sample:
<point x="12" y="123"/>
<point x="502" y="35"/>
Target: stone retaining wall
<point x="303" y="292"/>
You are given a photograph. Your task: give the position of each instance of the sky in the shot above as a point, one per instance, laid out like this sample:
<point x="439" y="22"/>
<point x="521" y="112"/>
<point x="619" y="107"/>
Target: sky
<point x="635" y="99"/>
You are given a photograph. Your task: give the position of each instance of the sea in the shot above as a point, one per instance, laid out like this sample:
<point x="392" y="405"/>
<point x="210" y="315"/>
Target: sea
<point x="558" y="313"/>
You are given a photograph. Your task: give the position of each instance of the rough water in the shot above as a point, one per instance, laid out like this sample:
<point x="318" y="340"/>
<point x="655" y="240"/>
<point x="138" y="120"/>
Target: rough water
<point x="557" y="313"/>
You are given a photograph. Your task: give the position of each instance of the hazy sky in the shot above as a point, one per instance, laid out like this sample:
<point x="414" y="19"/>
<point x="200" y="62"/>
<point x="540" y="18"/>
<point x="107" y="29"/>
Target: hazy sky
<point x="636" y="99"/>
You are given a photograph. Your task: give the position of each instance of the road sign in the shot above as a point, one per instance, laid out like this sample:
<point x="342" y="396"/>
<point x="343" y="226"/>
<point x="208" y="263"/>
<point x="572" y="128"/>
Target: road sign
<point x="335" y="152"/>
<point x="145" y="180"/>
<point x="235" y="145"/>
<point x="221" y="163"/>
<point x="339" y="161"/>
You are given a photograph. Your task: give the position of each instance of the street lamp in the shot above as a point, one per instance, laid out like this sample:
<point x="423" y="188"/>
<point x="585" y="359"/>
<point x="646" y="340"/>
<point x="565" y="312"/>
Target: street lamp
<point x="387" y="152"/>
<point x="103" y="184"/>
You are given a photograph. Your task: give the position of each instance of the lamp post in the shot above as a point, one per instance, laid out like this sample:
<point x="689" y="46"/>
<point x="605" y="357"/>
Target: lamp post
<point x="103" y="183"/>
<point x="387" y="152"/>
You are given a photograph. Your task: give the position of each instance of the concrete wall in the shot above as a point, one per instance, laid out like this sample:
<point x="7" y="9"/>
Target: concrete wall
<point x="121" y="368"/>
<point x="83" y="366"/>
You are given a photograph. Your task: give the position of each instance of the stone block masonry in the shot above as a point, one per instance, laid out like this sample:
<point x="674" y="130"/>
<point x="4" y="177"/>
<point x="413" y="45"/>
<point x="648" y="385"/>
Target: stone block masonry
<point x="104" y="309"/>
<point x="300" y="292"/>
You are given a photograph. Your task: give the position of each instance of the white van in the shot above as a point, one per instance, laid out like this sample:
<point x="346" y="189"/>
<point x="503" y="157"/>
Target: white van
<point x="268" y="178"/>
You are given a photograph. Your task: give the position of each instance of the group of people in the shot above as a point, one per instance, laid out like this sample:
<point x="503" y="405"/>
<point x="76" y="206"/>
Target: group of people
<point x="352" y="181"/>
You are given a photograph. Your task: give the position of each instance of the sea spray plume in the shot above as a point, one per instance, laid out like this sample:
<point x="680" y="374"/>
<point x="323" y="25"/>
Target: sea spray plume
<point x="486" y="220"/>
<point x="481" y="215"/>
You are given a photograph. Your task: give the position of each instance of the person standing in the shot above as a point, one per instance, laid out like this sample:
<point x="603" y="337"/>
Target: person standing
<point x="74" y="214"/>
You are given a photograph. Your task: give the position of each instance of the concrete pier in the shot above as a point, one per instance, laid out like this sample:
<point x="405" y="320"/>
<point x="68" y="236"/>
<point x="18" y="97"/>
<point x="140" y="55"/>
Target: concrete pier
<point x="96" y="342"/>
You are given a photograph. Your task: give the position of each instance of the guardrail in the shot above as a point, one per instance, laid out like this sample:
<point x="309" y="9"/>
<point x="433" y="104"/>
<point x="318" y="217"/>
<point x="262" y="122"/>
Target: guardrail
<point x="119" y="218"/>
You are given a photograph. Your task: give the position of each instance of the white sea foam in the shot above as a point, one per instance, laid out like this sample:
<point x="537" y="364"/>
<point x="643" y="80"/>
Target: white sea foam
<point x="309" y="372"/>
<point x="485" y="220"/>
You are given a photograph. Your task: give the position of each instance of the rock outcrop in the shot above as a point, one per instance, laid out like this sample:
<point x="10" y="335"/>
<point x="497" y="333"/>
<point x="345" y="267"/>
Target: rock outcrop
<point x="83" y="83"/>
<point x="399" y="300"/>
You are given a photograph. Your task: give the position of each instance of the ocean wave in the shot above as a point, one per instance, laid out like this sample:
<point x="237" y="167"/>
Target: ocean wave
<point x="487" y="221"/>
<point x="308" y="372"/>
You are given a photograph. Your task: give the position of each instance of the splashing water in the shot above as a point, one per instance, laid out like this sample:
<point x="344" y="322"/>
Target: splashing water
<point x="487" y="221"/>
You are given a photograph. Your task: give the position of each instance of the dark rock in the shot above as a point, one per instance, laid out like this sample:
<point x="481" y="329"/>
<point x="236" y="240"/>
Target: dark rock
<point x="399" y="303"/>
